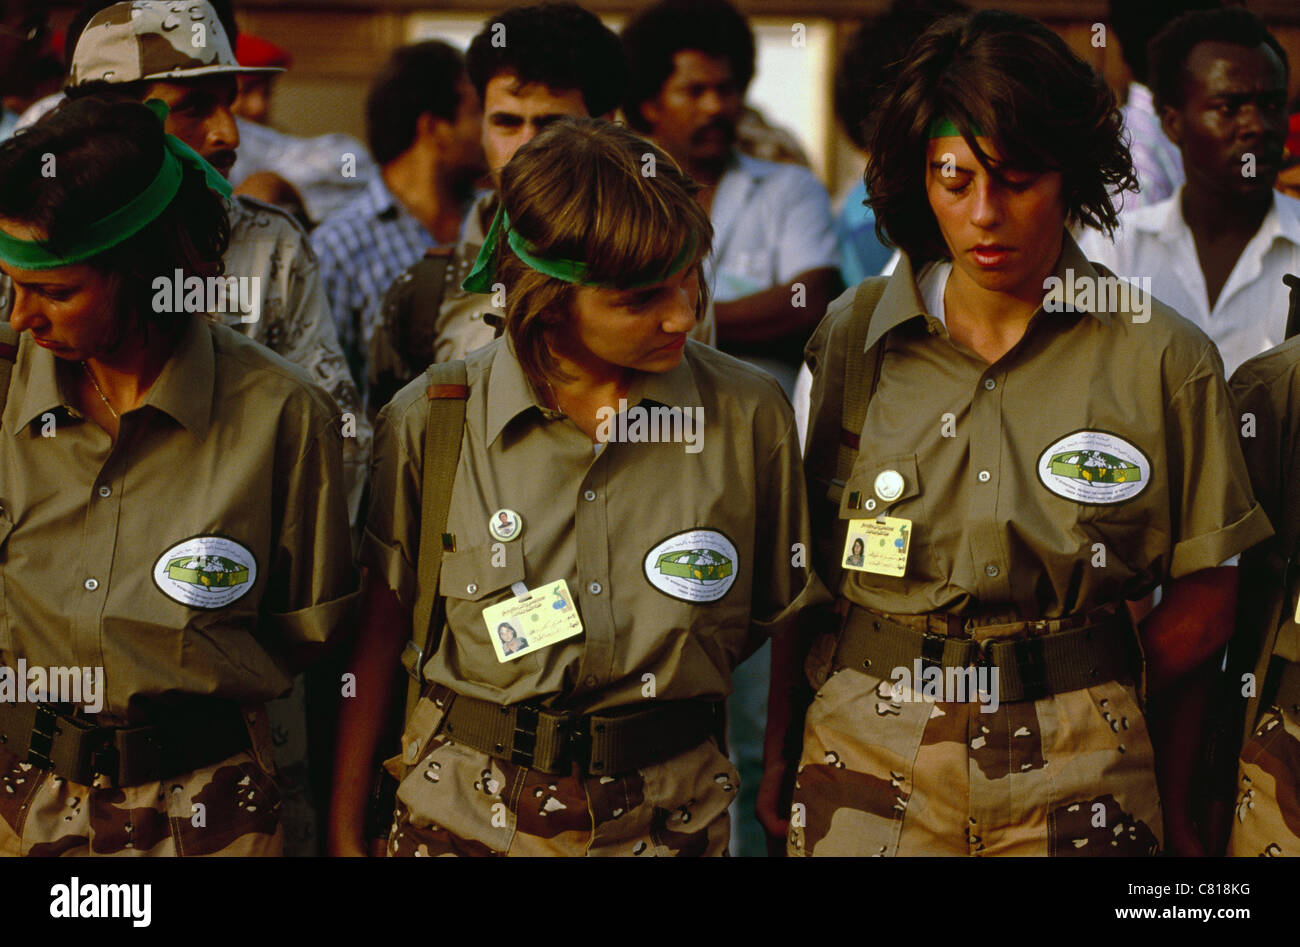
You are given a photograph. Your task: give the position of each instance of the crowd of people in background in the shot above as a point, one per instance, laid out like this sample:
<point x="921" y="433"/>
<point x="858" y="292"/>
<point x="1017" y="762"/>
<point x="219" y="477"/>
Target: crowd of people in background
<point x="1092" y="495"/>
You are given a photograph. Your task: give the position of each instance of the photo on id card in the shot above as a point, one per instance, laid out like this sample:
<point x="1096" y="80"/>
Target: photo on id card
<point x="537" y="619"/>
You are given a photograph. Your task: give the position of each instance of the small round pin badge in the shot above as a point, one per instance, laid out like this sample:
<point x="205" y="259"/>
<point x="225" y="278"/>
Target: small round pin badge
<point x="889" y="485"/>
<point x="506" y="525"/>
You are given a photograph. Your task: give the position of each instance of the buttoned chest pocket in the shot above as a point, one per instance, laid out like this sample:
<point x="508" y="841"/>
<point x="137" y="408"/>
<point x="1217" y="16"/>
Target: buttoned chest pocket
<point x="6" y="527"/>
<point x="891" y="486"/>
<point x="472" y="580"/>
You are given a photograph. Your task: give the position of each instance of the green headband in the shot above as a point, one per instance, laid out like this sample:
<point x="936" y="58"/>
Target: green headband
<point x="127" y="220"/>
<point x="945" y="127"/>
<point x="481" y="277"/>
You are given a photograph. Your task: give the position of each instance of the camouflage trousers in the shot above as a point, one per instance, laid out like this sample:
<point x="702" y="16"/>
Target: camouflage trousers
<point x="229" y="808"/>
<point x="1266" y="821"/>
<point x="455" y="800"/>
<point x="884" y="772"/>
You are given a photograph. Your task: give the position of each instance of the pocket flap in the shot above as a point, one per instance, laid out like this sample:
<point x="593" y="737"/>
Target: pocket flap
<point x="861" y="498"/>
<point x="473" y="574"/>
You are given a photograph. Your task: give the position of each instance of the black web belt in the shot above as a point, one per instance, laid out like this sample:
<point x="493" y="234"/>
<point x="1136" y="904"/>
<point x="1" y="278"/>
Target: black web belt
<point x="600" y="744"/>
<point x="74" y="748"/>
<point x="1029" y="667"/>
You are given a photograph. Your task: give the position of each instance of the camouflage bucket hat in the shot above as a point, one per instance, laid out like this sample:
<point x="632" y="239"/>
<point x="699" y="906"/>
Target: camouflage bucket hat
<point x="154" y="39"/>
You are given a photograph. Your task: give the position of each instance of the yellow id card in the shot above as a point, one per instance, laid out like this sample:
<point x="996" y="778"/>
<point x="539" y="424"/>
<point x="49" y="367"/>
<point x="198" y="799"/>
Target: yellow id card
<point x="878" y="545"/>
<point x="536" y="619"/>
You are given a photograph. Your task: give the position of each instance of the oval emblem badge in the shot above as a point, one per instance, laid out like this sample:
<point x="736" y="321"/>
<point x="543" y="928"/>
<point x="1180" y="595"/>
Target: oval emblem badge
<point x="1094" y="467"/>
<point x="698" y="565"/>
<point x="205" y="572"/>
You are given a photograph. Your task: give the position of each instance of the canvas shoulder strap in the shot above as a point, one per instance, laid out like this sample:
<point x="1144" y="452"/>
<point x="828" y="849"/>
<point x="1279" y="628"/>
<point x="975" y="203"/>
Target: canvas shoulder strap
<point x="8" y="355"/>
<point x="844" y="380"/>
<point x="448" y="390"/>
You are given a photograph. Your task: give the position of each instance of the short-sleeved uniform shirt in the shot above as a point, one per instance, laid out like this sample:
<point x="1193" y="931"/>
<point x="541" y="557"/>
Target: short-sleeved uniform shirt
<point x="605" y="522"/>
<point x="1266" y="391"/>
<point x="188" y="557"/>
<point x="1093" y="461"/>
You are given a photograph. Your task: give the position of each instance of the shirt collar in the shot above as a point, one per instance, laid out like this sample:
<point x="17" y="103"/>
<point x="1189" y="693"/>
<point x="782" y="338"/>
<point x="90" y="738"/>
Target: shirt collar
<point x="510" y="393"/>
<point x="183" y="390"/>
<point x="1140" y="97"/>
<point x="901" y="300"/>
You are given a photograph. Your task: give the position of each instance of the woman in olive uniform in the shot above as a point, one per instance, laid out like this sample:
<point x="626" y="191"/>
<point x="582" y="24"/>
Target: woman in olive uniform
<point x="1053" y="447"/>
<point x="173" y="526"/>
<point x="654" y="535"/>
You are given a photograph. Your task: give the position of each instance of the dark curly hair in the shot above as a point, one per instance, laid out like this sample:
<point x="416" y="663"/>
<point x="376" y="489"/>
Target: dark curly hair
<point x="874" y="54"/>
<point x="658" y="33"/>
<point x="1170" y="49"/>
<point x="106" y="151"/>
<point x="559" y="45"/>
<point x="1018" y="83"/>
<point x="417" y="79"/>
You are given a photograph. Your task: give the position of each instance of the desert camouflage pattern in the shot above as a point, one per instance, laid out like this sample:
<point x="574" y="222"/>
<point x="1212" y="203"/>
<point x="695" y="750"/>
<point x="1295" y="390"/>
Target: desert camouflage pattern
<point x="154" y="39"/>
<point x="1266" y="819"/>
<point x="45" y="815"/>
<point x="1070" y="774"/>
<point x="295" y="321"/>
<point x="459" y="801"/>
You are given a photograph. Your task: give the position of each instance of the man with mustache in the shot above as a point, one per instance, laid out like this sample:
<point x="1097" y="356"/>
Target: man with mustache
<point x="1217" y="249"/>
<point x="181" y="54"/>
<point x="775" y="257"/>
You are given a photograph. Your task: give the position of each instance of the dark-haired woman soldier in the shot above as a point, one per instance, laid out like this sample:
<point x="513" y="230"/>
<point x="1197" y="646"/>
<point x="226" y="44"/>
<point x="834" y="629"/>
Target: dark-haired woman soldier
<point x="1050" y="453"/>
<point x="173" y="525"/>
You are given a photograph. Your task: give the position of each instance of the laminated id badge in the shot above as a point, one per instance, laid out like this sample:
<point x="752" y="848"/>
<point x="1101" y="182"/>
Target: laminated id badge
<point x="533" y="619"/>
<point x="878" y="545"/>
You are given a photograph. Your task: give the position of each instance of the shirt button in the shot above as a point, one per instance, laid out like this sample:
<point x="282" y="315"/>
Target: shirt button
<point x="991" y="571"/>
<point x="471" y="588"/>
<point x="985" y="476"/>
<point x="594" y="588"/>
<point x="990" y="384"/>
<point x="92" y="584"/>
<point x="589" y="495"/>
<point x="105" y="491"/>
<point x="591" y="680"/>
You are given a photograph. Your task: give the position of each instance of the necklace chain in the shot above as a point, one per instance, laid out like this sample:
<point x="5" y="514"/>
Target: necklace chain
<point x="100" y="391"/>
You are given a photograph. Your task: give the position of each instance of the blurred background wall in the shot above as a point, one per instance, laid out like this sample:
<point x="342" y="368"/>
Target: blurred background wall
<point x="339" y="44"/>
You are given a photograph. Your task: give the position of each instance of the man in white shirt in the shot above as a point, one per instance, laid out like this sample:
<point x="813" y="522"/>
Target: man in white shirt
<point x="1217" y="250"/>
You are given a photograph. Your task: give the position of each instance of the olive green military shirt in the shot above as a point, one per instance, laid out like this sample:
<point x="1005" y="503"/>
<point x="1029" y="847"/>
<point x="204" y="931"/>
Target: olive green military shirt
<point x="1266" y="391"/>
<point x="191" y="554"/>
<point x="680" y="557"/>
<point x="1095" y="460"/>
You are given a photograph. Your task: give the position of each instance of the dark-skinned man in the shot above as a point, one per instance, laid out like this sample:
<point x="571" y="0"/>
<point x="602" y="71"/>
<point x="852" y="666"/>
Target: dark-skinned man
<point x="775" y="263"/>
<point x="1217" y="250"/>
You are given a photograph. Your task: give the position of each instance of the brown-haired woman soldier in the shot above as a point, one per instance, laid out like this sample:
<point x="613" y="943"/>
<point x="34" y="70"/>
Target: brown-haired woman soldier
<point x="1051" y="456"/>
<point x="652" y="487"/>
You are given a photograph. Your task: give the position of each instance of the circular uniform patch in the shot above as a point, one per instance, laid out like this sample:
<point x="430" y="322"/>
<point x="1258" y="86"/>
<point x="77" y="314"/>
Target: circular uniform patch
<point x="205" y="572"/>
<point x="698" y="565"/>
<point x="1094" y="467"/>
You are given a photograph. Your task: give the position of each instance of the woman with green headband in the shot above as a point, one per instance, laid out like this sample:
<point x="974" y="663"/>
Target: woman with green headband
<point x="626" y="499"/>
<point x="1027" y="446"/>
<point x="173" y="528"/>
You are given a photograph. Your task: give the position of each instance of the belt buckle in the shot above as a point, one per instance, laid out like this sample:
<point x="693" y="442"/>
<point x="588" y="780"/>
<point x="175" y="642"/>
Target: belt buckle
<point x="524" y="743"/>
<point x="932" y="648"/>
<point x="577" y="740"/>
<point x="104" y="758"/>
<point x="41" y="742"/>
